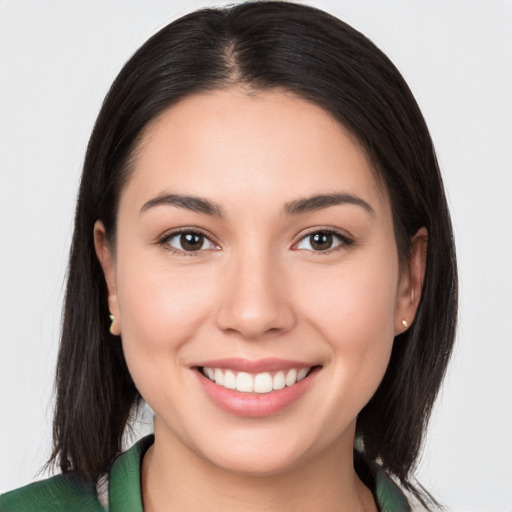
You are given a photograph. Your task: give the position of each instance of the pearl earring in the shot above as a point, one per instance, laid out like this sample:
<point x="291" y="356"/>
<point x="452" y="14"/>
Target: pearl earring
<point x="404" y="323"/>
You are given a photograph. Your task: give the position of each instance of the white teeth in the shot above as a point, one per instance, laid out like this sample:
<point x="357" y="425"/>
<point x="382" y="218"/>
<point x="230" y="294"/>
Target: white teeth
<point x="244" y="382"/>
<point x="258" y="383"/>
<point x="279" y="381"/>
<point x="301" y="374"/>
<point x="229" y="380"/>
<point x="263" y="383"/>
<point x="219" y="376"/>
<point x="291" y="378"/>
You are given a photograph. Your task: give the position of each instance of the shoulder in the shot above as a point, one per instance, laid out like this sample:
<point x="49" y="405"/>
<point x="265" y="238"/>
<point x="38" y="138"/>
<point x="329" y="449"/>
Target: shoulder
<point x="57" y="494"/>
<point x="389" y="495"/>
<point x="386" y="491"/>
<point x="119" y="489"/>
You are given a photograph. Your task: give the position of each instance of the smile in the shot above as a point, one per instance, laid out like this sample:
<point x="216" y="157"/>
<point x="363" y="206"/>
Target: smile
<point x="264" y="382"/>
<point x="255" y="388"/>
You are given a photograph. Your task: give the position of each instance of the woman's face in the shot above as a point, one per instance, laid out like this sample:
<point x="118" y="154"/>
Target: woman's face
<point x="254" y="245"/>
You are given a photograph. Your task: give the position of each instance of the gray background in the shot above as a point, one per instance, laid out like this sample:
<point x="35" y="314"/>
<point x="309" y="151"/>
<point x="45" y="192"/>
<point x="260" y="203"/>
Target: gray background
<point x="57" y="59"/>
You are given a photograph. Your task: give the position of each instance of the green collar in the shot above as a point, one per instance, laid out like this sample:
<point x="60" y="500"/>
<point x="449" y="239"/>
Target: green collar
<point x="66" y="492"/>
<point x="124" y="479"/>
<point x="389" y="496"/>
<point x="124" y="487"/>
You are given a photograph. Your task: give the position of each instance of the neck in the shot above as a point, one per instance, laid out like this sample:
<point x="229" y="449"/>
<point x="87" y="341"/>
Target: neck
<point x="175" y="478"/>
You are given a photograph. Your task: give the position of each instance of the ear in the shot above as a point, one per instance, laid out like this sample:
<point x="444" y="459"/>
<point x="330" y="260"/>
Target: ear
<point x="107" y="262"/>
<point x="411" y="282"/>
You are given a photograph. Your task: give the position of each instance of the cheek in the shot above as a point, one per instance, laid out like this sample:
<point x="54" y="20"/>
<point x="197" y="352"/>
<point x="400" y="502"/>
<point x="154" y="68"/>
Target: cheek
<point x="161" y="312"/>
<point x="356" y="299"/>
<point x="353" y="310"/>
<point x="161" y="308"/>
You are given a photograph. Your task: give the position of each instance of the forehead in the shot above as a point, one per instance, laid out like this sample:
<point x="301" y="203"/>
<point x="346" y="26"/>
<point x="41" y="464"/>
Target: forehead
<point x="240" y="147"/>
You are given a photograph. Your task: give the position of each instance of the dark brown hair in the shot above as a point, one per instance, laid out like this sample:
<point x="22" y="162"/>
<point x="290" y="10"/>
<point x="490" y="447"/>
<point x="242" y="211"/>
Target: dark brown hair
<point x="261" y="45"/>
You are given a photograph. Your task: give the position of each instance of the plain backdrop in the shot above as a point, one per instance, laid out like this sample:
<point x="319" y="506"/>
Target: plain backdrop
<point x="57" y="60"/>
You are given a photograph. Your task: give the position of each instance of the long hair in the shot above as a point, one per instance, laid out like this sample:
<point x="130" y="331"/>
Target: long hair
<point x="260" y="45"/>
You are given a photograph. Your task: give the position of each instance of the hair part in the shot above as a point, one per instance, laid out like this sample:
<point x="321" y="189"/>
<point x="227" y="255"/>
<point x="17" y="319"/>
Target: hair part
<point x="258" y="46"/>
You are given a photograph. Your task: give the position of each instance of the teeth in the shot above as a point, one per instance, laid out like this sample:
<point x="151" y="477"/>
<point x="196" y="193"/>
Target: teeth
<point x="301" y="374"/>
<point x="219" y="376"/>
<point x="258" y="383"/>
<point x="263" y="383"/>
<point x="229" y="380"/>
<point x="291" y="378"/>
<point x="279" y="381"/>
<point x="243" y="382"/>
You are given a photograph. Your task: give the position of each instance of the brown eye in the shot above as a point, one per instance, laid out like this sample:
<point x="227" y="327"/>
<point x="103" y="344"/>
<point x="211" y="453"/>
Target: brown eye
<point x="190" y="242"/>
<point x="321" y="241"/>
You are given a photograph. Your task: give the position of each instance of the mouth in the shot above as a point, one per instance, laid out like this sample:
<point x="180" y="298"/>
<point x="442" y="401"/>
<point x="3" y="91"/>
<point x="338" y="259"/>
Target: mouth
<point x="264" y="382"/>
<point x="255" y="389"/>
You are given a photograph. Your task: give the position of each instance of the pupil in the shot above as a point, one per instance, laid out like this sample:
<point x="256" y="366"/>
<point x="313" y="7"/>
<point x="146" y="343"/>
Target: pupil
<point x="321" y="241"/>
<point x="191" y="241"/>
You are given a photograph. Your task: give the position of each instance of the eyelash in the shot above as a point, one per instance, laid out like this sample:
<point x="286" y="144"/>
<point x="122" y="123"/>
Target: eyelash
<point x="164" y="241"/>
<point x="345" y="241"/>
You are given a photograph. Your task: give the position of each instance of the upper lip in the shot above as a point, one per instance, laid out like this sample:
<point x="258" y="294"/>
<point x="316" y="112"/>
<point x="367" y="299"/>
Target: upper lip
<point x="254" y="366"/>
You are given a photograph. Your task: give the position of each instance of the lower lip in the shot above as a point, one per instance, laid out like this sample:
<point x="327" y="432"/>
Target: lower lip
<point x="255" y="405"/>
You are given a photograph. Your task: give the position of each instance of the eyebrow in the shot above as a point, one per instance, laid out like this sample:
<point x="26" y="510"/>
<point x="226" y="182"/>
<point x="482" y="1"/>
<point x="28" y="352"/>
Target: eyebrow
<point x="296" y="207"/>
<point x="196" y="204"/>
<point x="318" y="202"/>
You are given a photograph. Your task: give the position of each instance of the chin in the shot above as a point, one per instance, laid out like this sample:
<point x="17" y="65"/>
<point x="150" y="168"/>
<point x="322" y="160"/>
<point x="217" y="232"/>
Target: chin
<point x="267" y="450"/>
<point x="258" y="463"/>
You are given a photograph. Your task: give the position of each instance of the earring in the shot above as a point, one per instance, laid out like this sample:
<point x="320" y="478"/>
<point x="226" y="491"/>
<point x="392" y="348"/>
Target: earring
<point x="404" y="323"/>
<point x="112" y="322"/>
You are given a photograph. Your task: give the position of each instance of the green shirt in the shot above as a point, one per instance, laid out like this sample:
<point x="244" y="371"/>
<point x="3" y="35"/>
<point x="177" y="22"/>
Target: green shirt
<point x="66" y="493"/>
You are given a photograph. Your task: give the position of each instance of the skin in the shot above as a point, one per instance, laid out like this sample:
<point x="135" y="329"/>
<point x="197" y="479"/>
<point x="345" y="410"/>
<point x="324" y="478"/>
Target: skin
<point x="258" y="290"/>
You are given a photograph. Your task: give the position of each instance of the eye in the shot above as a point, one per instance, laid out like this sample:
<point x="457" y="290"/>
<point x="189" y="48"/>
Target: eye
<point x="323" y="240"/>
<point x="188" y="241"/>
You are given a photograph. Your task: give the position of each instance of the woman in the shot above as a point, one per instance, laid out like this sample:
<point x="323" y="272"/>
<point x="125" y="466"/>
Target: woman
<point x="260" y="233"/>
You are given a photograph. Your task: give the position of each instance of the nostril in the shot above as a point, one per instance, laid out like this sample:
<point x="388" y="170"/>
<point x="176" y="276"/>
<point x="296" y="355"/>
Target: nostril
<point x="253" y="320"/>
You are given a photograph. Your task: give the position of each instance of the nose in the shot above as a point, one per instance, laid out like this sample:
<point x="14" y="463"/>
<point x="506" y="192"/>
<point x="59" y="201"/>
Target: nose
<point x="255" y="301"/>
